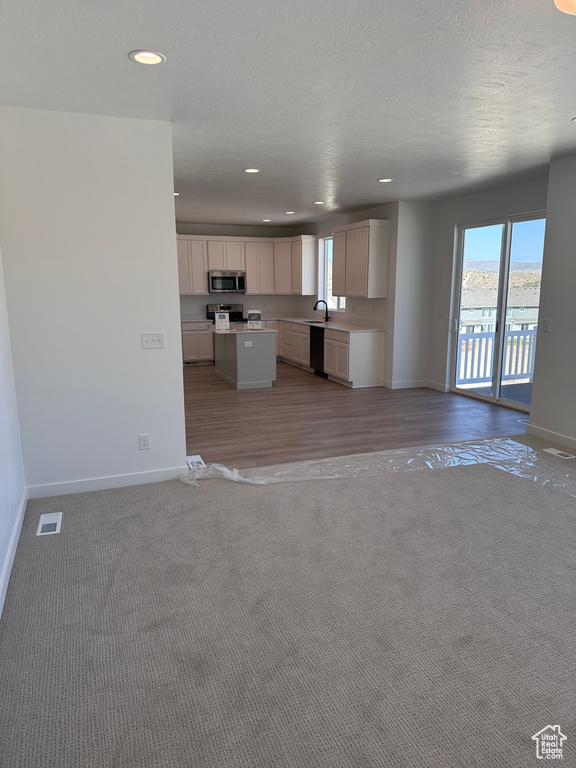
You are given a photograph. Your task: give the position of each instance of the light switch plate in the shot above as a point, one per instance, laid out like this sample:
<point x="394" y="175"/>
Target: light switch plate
<point x="153" y="341"/>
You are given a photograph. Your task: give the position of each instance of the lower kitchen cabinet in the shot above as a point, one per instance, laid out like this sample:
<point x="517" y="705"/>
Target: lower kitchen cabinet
<point x="355" y="358"/>
<point x="336" y="358"/>
<point x="294" y="343"/>
<point x="197" y="342"/>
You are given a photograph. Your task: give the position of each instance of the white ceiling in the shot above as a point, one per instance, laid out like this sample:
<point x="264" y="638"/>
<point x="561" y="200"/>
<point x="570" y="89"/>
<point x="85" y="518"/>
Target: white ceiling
<point x="325" y="96"/>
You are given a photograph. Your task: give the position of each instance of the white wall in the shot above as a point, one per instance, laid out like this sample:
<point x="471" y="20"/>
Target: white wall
<point x="407" y="340"/>
<point x="13" y="494"/>
<point x="508" y="201"/>
<point x="97" y="267"/>
<point x="553" y="412"/>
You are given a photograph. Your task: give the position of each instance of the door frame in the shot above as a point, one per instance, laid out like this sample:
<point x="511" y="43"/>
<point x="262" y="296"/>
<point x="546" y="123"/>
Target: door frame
<point x="503" y="281"/>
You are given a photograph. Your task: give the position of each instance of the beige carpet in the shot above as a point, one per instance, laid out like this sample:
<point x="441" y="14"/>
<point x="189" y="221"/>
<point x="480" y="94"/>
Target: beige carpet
<point x="415" y="619"/>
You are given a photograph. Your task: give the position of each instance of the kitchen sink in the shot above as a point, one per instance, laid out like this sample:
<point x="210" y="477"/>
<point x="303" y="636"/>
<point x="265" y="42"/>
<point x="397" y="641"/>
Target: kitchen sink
<point x="311" y="322"/>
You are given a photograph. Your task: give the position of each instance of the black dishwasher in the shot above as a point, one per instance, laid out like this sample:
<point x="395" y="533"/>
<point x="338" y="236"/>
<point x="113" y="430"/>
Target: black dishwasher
<point x="317" y="350"/>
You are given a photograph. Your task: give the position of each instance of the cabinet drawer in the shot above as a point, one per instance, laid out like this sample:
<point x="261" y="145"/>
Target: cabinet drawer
<point x="341" y="336"/>
<point x="192" y="326"/>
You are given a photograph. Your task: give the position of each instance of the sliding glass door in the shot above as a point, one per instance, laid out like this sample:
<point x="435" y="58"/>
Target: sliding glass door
<point x="500" y="272"/>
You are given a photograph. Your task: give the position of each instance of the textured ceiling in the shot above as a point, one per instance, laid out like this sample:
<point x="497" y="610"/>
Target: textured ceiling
<point x="327" y="96"/>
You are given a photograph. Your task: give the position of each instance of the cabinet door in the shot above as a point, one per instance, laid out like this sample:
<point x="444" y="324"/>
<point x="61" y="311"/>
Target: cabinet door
<point x="183" y="267"/>
<point x="253" y="283"/>
<point x="189" y="345"/>
<point x="235" y="258"/>
<point x="336" y="358"/>
<point x="287" y="341"/>
<point x="297" y="267"/>
<point x="342" y="360"/>
<point x="205" y="345"/>
<point x="198" y="267"/>
<point x="282" y="268"/>
<point x="266" y="268"/>
<point x="329" y="356"/>
<point x="301" y="348"/>
<point x="357" y="242"/>
<point x="216" y="254"/>
<point x="339" y="264"/>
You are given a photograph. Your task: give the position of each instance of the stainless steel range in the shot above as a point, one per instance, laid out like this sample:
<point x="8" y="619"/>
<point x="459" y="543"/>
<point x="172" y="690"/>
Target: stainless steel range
<point x="235" y="311"/>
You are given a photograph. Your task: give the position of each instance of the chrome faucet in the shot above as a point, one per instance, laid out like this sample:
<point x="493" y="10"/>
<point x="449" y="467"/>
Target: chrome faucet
<point x="321" y="301"/>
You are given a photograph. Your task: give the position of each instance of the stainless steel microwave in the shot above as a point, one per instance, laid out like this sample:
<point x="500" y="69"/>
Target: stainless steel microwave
<point x="220" y="281"/>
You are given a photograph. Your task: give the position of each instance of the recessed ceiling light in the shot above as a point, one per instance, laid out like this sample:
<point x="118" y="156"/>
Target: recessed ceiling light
<point x="251" y="170"/>
<point x="176" y="194"/>
<point x="265" y="219"/>
<point x="319" y="202"/>
<point x="147" y="57"/>
<point x="290" y="213"/>
<point x="385" y="181"/>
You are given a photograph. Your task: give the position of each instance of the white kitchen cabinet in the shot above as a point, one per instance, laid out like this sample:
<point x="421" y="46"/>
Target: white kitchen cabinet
<point x="192" y="266"/>
<point x="355" y="358"/>
<point x="259" y="268"/>
<point x="189" y="346"/>
<point x="294" y="342"/>
<point x="336" y="357"/>
<point x="301" y="344"/>
<point x="226" y="254"/>
<point x="339" y="263"/>
<point x="197" y="342"/>
<point x="360" y="259"/>
<point x="295" y="261"/>
<point x="304" y="265"/>
<point x="273" y="325"/>
<point x="283" y="267"/>
<point x="285" y="333"/>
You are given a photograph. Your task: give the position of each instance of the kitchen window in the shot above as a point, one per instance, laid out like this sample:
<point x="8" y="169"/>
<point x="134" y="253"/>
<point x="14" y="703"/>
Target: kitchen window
<point x="335" y="303"/>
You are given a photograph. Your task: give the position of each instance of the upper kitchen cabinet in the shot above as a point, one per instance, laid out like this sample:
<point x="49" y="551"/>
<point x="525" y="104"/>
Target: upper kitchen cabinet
<point x="360" y="259"/>
<point x="304" y="265"/>
<point x="295" y="265"/>
<point x="226" y="254"/>
<point x="259" y="268"/>
<point x="192" y="266"/>
<point x="283" y="266"/>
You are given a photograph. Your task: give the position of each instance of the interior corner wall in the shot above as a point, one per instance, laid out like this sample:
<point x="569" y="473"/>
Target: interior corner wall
<point x="553" y="410"/>
<point x="13" y="495"/>
<point x="96" y="268"/>
<point x="514" y="200"/>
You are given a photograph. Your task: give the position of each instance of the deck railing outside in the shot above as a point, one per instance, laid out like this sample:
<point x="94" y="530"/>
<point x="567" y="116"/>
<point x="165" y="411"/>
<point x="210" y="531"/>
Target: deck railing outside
<point x="476" y="357"/>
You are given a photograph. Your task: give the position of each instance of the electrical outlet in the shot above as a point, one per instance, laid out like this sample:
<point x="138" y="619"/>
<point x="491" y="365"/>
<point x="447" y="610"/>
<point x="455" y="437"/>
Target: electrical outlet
<point x="144" y="442"/>
<point x="547" y="326"/>
<point x="247" y="343"/>
<point x="153" y="341"/>
<point x="373" y="310"/>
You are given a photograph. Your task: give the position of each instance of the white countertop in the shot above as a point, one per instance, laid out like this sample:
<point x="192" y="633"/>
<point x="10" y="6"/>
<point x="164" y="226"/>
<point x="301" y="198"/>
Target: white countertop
<point x="246" y="330"/>
<point x="337" y="325"/>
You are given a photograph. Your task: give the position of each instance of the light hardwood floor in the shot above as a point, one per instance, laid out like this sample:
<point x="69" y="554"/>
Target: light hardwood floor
<point x="307" y="417"/>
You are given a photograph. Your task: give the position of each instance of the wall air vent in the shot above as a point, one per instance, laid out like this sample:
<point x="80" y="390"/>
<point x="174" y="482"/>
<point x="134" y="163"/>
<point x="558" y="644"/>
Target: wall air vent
<point x="49" y="524"/>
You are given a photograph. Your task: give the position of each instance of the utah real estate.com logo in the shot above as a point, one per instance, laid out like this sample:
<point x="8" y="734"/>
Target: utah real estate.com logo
<point x="549" y="743"/>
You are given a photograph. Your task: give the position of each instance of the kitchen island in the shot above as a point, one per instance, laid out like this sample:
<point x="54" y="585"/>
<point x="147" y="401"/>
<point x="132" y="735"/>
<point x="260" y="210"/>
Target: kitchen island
<point x="245" y="359"/>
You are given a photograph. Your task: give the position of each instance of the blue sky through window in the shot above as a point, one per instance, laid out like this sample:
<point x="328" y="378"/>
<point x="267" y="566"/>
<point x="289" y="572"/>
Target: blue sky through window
<point x="484" y="243"/>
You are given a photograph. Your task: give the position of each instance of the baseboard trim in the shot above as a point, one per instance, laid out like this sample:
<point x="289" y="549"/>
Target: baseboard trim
<point x="104" y="483"/>
<point x="415" y="384"/>
<point x="554" y="437"/>
<point x="441" y="387"/>
<point x="7" y="565"/>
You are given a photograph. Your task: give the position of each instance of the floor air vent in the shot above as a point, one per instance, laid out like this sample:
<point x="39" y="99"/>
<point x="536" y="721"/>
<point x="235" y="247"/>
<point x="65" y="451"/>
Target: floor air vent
<point x="562" y="454"/>
<point x="49" y="524"/>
